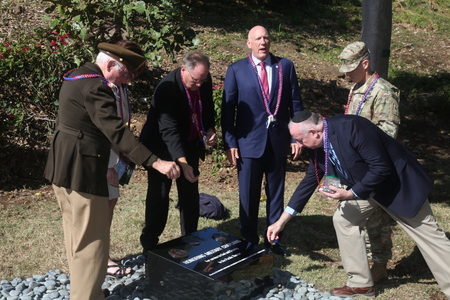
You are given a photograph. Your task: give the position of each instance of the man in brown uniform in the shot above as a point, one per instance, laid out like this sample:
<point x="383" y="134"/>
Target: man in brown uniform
<point x="86" y="128"/>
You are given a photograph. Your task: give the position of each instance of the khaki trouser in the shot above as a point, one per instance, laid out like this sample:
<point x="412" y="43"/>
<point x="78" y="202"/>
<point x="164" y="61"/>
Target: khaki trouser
<point x="86" y="233"/>
<point x="349" y="220"/>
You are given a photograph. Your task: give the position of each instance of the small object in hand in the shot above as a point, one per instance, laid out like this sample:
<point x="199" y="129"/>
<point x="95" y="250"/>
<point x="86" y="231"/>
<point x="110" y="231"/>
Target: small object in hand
<point x="326" y="189"/>
<point x="205" y="139"/>
<point x="330" y="181"/>
<point x="178" y="253"/>
<point x="126" y="176"/>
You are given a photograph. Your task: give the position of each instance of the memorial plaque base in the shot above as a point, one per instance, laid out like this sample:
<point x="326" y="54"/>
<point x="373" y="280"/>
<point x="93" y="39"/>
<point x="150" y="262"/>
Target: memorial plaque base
<point x="189" y="266"/>
<point x="261" y="268"/>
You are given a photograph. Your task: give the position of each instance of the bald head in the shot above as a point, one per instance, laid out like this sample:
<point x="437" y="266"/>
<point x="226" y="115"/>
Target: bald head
<point x="259" y="42"/>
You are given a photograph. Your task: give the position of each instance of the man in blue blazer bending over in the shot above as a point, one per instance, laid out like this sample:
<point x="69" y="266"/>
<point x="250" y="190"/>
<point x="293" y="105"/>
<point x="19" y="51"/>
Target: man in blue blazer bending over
<point x="261" y="94"/>
<point x="375" y="170"/>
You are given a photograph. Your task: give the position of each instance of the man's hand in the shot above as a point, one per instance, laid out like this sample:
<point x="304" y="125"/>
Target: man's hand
<point x="274" y="229"/>
<point x="340" y="194"/>
<point x="232" y="155"/>
<point x="168" y="168"/>
<point x="296" y="150"/>
<point x="188" y="171"/>
<point x="211" y="138"/>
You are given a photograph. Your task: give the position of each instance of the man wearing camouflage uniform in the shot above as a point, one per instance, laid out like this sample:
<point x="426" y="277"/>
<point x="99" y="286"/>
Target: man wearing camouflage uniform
<point x="376" y="99"/>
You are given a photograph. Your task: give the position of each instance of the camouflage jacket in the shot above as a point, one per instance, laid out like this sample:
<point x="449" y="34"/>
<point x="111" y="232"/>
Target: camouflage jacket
<point x="381" y="105"/>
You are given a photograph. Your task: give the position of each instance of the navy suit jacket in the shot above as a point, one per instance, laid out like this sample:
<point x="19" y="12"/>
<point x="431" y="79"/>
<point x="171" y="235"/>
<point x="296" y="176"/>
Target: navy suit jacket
<point x="243" y="112"/>
<point x="376" y="164"/>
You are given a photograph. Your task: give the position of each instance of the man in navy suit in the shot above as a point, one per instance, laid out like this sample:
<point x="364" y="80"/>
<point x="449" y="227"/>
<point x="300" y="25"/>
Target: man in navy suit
<point x="375" y="170"/>
<point x="258" y="102"/>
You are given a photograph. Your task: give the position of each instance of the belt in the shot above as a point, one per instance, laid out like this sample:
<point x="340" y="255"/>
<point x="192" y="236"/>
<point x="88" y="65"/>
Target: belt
<point x="78" y="133"/>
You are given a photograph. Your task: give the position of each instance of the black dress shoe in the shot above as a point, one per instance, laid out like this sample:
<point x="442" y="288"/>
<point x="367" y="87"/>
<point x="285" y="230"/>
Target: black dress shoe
<point x="106" y="292"/>
<point x="278" y="249"/>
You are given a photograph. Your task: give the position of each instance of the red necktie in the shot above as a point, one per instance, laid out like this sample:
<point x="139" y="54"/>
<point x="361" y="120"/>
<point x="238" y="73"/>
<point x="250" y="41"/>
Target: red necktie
<point x="264" y="78"/>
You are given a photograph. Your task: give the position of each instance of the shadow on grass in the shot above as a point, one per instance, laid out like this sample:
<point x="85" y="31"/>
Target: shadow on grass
<point x="425" y="131"/>
<point x="410" y="269"/>
<point x="303" y="235"/>
<point x="284" y="21"/>
<point x="314" y="236"/>
<point x="21" y="167"/>
<point x="323" y="97"/>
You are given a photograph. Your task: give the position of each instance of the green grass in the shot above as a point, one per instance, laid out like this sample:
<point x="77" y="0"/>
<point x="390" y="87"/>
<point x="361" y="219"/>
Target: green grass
<point x="433" y="15"/>
<point x="32" y="240"/>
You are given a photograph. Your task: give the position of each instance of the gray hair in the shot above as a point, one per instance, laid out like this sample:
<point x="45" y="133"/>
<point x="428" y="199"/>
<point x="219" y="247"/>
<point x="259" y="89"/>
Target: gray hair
<point x="192" y="59"/>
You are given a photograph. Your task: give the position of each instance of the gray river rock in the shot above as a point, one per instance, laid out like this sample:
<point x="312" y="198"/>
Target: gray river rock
<point x="55" y="285"/>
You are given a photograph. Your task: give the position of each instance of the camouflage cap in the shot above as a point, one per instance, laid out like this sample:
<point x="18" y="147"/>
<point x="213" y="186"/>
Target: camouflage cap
<point x="352" y="55"/>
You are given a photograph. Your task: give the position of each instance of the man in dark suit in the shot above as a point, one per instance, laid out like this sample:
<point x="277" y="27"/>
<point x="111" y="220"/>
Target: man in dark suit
<point x="375" y="170"/>
<point x="261" y="94"/>
<point x="180" y="123"/>
<point x="87" y="126"/>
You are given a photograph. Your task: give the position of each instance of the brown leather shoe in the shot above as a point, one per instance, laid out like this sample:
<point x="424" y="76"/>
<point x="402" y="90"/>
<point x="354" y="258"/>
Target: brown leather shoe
<point x="349" y="291"/>
<point x="379" y="272"/>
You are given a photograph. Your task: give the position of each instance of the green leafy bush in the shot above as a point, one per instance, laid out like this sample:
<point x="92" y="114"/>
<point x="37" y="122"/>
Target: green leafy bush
<point x="217" y="99"/>
<point x="155" y="25"/>
<point x="31" y="66"/>
<point x="217" y="155"/>
<point x="31" y="69"/>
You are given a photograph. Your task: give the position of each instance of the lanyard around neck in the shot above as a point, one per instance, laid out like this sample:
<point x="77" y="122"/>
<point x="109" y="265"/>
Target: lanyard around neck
<point x="326" y="149"/>
<point x="197" y="120"/>
<point x="261" y="87"/>
<point x="364" y="97"/>
<point x="119" y="97"/>
<point x="113" y="87"/>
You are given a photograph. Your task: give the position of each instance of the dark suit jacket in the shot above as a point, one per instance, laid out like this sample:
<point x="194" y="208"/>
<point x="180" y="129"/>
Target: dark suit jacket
<point x="87" y="126"/>
<point x="374" y="162"/>
<point x="246" y="128"/>
<point x="168" y="124"/>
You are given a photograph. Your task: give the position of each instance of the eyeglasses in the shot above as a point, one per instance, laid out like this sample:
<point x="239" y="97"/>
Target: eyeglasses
<point x="195" y="80"/>
<point x="125" y="73"/>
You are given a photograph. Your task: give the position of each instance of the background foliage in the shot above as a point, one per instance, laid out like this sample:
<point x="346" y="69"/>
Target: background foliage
<point x="31" y="63"/>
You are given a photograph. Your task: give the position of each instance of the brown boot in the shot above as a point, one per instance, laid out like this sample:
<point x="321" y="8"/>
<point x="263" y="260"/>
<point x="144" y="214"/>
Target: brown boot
<point x="379" y="272"/>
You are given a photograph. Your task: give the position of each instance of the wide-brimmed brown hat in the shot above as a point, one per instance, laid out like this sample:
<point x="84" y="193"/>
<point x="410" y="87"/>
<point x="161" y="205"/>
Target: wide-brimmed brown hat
<point x="132" y="59"/>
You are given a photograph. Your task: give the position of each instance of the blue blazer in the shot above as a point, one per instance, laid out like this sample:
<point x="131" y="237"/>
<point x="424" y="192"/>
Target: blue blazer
<point x="243" y="112"/>
<point x="376" y="165"/>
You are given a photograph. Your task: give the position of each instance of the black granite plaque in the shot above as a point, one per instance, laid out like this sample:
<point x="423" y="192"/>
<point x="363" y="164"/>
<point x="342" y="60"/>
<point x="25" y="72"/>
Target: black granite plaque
<point x="189" y="265"/>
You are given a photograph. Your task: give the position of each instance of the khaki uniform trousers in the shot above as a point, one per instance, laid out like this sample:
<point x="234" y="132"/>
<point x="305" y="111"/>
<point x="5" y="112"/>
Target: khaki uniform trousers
<point x="349" y="221"/>
<point x="86" y="233"/>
